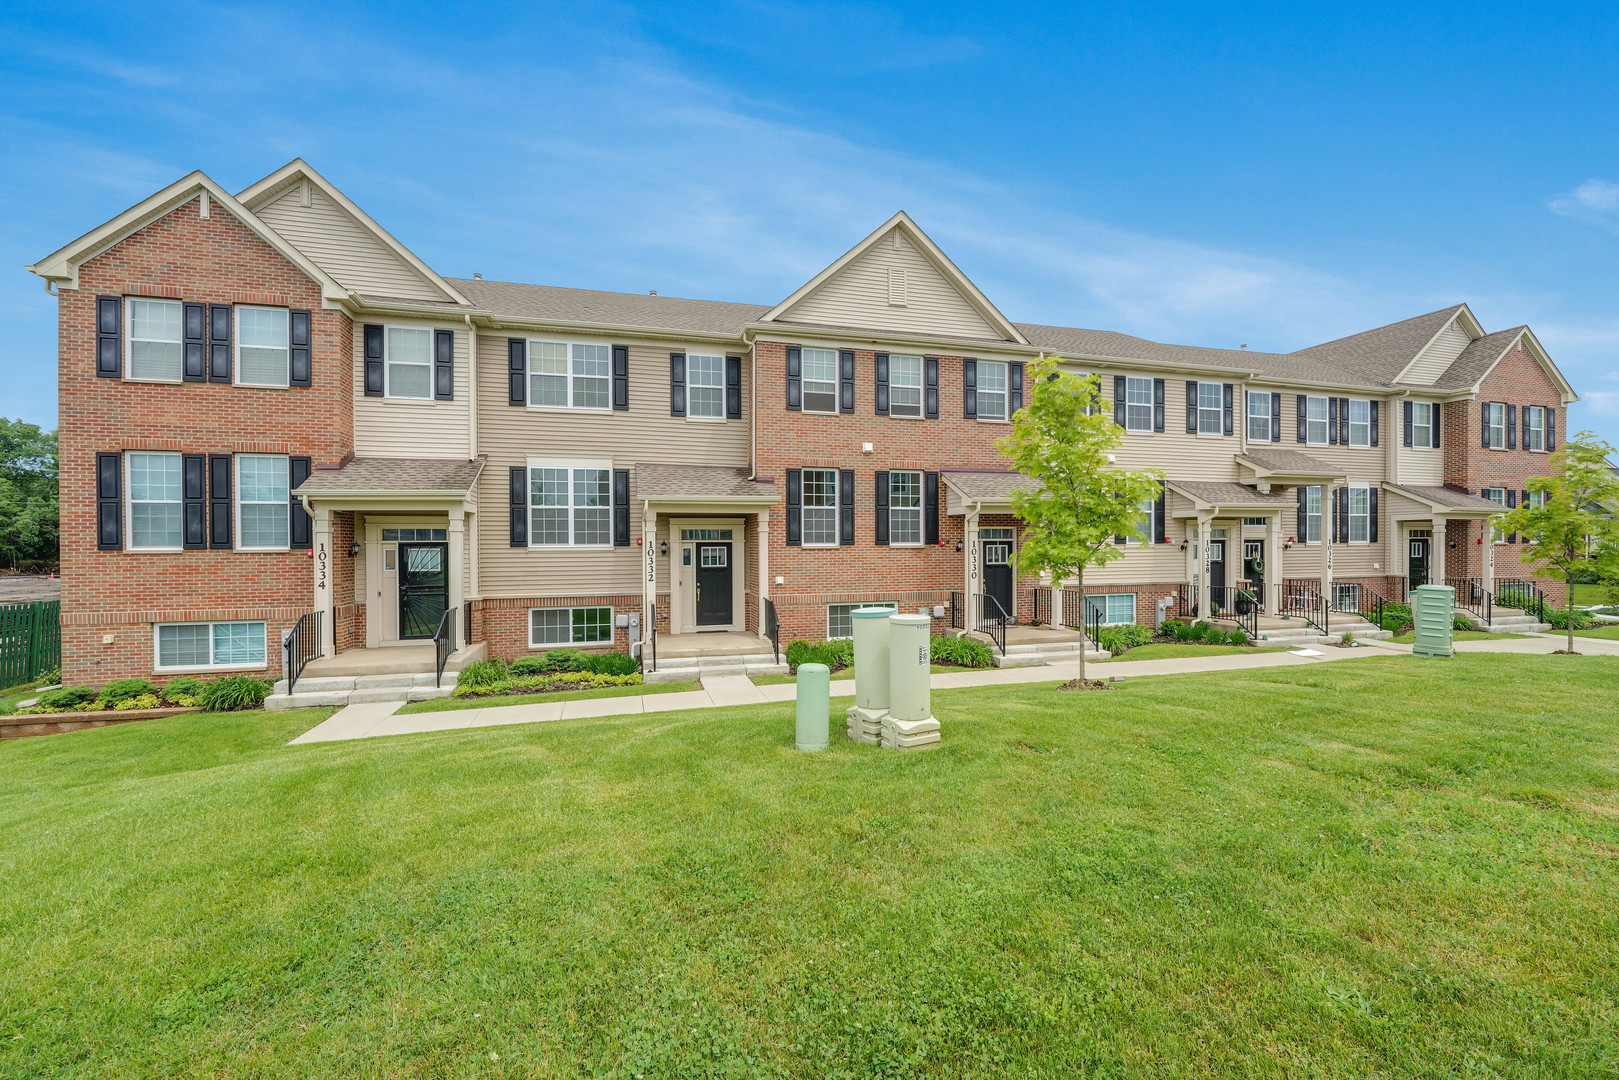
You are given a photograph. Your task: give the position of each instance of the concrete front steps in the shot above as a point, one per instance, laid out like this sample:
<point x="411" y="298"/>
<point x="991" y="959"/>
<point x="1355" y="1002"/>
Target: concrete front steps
<point x="1055" y="652"/>
<point x="694" y="668"/>
<point x="1302" y="633"/>
<point x="369" y="675"/>
<point x="1507" y="621"/>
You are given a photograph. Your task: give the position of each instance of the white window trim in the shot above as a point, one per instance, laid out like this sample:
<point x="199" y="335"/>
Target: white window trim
<point x="236" y="347"/>
<point x="921" y="495"/>
<point x="236" y="501"/>
<point x="1320" y="515"/>
<point x="1257" y="397"/>
<point x="129" y="337"/>
<point x="1499" y="535"/>
<point x="570" y="407"/>
<point x="1105" y="600"/>
<point x="1006" y="394"/>
<point x="1541" y="410"/>
<point x="921" y="386"/>
<point x="1349" y="503"/>
<point x="1427" y="440"/>
<point x="690" y="352"/>
<point x="570" y="464"/>
<point x="837" y="505"/>
<point x="612" y="630"/>
<point x="803" y="381"/>
<point x="129" y="502"/>
<point x="1149" y="406"/>
<point x="1491" y="426"/>
<point x="387" y="364"/>
<point x="1326" y="420"/>
<point x="1368" y="403"/>
<point x="1219" y="412"/>
<point x="854" y="605"/>
<point x="260" y="666"/>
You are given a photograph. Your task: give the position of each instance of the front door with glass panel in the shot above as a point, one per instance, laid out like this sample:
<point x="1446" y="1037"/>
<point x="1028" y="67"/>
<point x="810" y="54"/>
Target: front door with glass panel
<point x="1417" y="569"/>
<point x="1253" y="564"/>
<point x="424" y="588"/>
<point x="998" y="577"/>
<point x="1216" y="564"/>
<point x="714" y="585"/>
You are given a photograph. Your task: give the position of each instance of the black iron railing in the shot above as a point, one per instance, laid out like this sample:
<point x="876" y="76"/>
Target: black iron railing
<point x="1362" y="600"/>
<point x="1093" y="623"/>
<point x="1186" y="596"/>
<point x="1523" y="595"/>
<point x="444" y="642"/>
<point x="1399" y="590"/>
<point x="772" y="628"/>
<point x="302" y="646"/>
<point x="1074" y="611"/>
<point x="1235" y="604"/>
<point x="958" y="611"/>
<point x="652" y="635"/>
<point x="1302" y="599"/>
<point x="992" y="619"/>
<point x="1042" y="606"/>
<point x="1473" y="597"/>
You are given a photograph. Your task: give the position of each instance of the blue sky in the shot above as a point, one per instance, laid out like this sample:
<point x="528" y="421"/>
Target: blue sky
<point x="1275" y="175"/>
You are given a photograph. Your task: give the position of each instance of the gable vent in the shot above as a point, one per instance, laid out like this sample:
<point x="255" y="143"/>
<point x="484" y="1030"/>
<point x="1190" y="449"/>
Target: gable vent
<point x="896" y="286"/>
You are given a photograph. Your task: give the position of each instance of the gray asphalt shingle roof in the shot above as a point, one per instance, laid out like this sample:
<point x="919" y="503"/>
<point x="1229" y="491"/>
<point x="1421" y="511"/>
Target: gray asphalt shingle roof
<point x="394" y="474"/>
<point x="985" y="485"/>
<point x="615" y="309"/>
<point x="1219" y="493"/>
<point x="698" y="482"/>
<point x="1450" y="497"/>
<point x="1290" y="461"/>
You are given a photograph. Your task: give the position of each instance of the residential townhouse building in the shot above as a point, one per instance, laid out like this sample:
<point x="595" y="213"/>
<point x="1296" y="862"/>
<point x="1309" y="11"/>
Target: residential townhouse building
<point x="274" y="415"/>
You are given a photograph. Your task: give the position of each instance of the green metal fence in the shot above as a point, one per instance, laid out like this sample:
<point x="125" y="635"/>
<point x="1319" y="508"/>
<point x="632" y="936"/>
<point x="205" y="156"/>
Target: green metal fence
<point x="30" y="641"/>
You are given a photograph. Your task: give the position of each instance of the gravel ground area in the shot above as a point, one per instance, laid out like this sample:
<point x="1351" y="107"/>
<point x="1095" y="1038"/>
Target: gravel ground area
<point x="26" y="588"/>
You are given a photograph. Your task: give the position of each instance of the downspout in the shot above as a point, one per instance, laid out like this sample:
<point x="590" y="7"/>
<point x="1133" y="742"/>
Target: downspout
<point x="469" y="537"/>
<point x="753" y="407"/>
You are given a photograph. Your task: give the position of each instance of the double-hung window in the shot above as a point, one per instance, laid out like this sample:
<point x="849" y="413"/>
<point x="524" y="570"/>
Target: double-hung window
<point x="570" y="626"/>
<point x="1312" y="515"/>
<point x="155" y="345"/>
<point x="1116" y="609"/>
<point x="1258" y="417"/>
<point x="820" y="511"/>
<point x="1534" y="427"/>
<point x="904" y="386"/>
<point x="1495" y="425"/>
<point x="1360" y="508"/>
<point x="190" y="646"/>
<point x="820" y="371"/>
<point x="1137" y="404"/>
<point x="1144" y="523"/>
<point x="840" y="617"/>
<point x="1210" y="408"/>
<point x="1360" y="422"/>
<point x="1315" y="420"/>
<point x="1422" y="423"/>
<point x="261" y="501"/>
<point x="409" y="362"/>
<point x="1499" y="497"/>
<point x="991" y="390"/>
<point x="262" y="346"/>
<point x="570" y="506"/>
<point x="705" y="386"/>
<point x="564" y="375"/>
<point x="156" y="502"/>
<point x="904" y="508"/>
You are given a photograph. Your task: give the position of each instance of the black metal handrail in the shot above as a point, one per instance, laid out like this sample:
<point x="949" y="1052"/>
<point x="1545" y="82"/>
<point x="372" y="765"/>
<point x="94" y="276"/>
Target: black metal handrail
<point x="772" y="629"/>
<point x="1401" y="589"/>
<point x="1303" y="599"/>
<point x="958" y="611"/>
<point x="1093" y="624"/>
<point x="1369" y="604"/>
<point x="1232" y="603"/>
<point x="1521" y="594"/>
<point x="1074" y="610"/>
<point x="1042" y="606"/>
<point x="1186" y="597"/>
<point x="993" y="625"/>
<point x="444" y="641"/>
<point x="652" y="633"/>
<point x="301" y="646"/>
<point x="1472" y="596"/>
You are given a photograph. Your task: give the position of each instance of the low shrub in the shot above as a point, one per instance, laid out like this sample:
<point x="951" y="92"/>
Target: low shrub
<point x="68" y="697"/>
<point x="483" y="673"/>
<point x="141" y="701"/>
<point x="1558" y="618"/>
<point x="960" y="652"/>
<point x="125" y="689"/>
<point x="1461" y="622"/>
<point x="1396" y="617"/>
<point x="834" y="654"/>
<point x="542" y="684"/>
<point x="233" y="693"/>
<point x="548" y="663"/>
<point x="182" y="690"/>
<point x="1179" y="631"/>
<point x="1117" y="639"/>
<point x="1238" y="637"/>
<point x="611" y="663"/>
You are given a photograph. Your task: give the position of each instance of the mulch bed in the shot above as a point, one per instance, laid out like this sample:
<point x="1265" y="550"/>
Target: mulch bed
<point x="1087" y="684"/>
<point x="21" y="727"/>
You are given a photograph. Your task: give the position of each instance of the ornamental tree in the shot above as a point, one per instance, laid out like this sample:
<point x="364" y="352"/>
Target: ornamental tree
<point x="1065" y="442"/>
<point x="1570" y="522"/>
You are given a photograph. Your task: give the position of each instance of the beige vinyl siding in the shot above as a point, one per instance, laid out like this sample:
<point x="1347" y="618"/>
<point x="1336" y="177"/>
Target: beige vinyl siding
<point x="858" y="296"/>
<point x="1145" y="564"/>
<point x="1418" y="464"/>
<point x="1178" y="454"/>
<point x="509" y="435"/>
<point x="1438" y="355"/>
<point x="1404" y="509"/>
<point x="393" y="427"/>
<point x="1361" y="462"/>
<point x="343" y="247"/>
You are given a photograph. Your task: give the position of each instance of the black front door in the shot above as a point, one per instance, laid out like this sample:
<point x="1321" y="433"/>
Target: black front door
<point x="1217" y="565"/>
<point x="714" y="585"/>
<point x="998" y="576"/>
<point x="1253" y="565"/>
<point x="1418" y="568"/>
<point x="424" y="588"/>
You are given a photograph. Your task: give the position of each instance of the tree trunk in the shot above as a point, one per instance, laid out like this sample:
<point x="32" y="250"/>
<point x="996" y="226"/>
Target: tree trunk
<point x="1084" y="645"/>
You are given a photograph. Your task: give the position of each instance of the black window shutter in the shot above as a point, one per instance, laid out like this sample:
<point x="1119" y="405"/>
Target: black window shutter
<point x="1343" y="423"/>
<point x="733" y="388"/>
<point x="1410" y="410"/>
<point x="1512" y="502"/>
<point x="880" y="368"/>
<point x="373" y="360"/>
<point x="930" y="387"/>
<point x="795" y="507"/>
<point x="1524" y="413"/>
<point x="1225" y="403"/>
<point x="882" y="507"/>
<point x="299" y="533"/>
<point x="1371" y="508"/>
<point x="109" y="338"/>
<point x="677" y="384"/>
<point x="300" y="361"/>
<point x="1512" y="427"/>
<point x="1551" y="428"/>
<point x="930" y="508"/>
<point x="1158" y="405"/>
<point x="621" y="508"/>
<point x="795" y="361"/>
<point x="444" y="365"/>
<point x="1484" y="424"/>
<point x="1433" y="432"/>
<point x="846" y="381"/>
<point x="1118" y="399"/>
<point x="1341" y="514"/>
<point x="1374" y="423"/>
<point x="219" y="501"/>
<point x="110" y="501"/>
<point x="969" y="389"/>
<point x="1304" y="516"/>
<point x="1191" y="408"/>
<point x="621" y="378"/>
<point x="1015" y="383"/>
<point x="518" y="496"/>
<point x="219" y="358"/>
<point x="516" y="371"/>
<point x="1332" y="421"/>
<point x="194" y="479"/>
<point x="1304" y="423"/>
<point x="1276" y="418"/>
<point x="1158" y="532"/>
<point x="845" y="507"/>
<point x="195" y="368"/>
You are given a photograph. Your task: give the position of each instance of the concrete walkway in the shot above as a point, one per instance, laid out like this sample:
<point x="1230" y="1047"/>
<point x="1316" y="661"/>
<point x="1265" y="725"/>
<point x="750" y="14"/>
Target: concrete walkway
<point x="373" y="719"/>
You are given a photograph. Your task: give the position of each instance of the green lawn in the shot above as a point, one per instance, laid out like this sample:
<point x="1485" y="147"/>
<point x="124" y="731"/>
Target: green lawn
<point x="1588" y="595"/>
<point x="1169" y="650"/>
<point x="11" y="696"/>
<point x="1610" y="632"/>
<point x="1458" y="635"/>
<point x="1392" y="867"/>
<point x="451" y="704"/>
<point x="847" y="673"/>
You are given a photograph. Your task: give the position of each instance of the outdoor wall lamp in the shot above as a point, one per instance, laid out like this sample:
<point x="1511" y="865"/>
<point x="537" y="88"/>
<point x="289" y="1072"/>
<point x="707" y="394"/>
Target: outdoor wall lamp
<point x="958" y="545"/>
<point x="663" y="548"/>
<point x="1183" y="545"/>
<point x="354" y="549"/>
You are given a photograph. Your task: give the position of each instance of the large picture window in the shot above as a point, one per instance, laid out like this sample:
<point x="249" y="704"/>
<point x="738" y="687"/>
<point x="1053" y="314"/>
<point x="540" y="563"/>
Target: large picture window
<point x="1258" y="417"/>
<point x="991" y="390"/>
<point x="409" y="362"/>
<point x="820" y="374"/>
<point x="820" y="510"/>
<point x="155" y="342"/>
<point x="156" y="502"/>
<point x="1137" y="404"/>
<point x="261" y="501"/>
<point x="261" y="346"/>
<point x="1315" y="420"/>
<point x="570" y="626"/>
<point x="904" y="508"/>
<point x="840" y="617"/>
<point x="194" y="646"/>
<point x="705" y="386"/>
<point x="570" y="375"/>
<point x="905" y="386"/>
<point x="570" y="507"/>
<point x="1116" y="609"/>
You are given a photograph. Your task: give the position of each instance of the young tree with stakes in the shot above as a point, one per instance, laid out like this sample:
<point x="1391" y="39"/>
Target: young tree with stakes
<point x="1570" y="522"/>
<point x="1062" y="439"/>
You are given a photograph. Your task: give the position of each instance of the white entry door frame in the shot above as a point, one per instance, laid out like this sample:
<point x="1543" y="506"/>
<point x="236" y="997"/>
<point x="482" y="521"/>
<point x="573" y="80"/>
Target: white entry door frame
<point x="686" y="539"/>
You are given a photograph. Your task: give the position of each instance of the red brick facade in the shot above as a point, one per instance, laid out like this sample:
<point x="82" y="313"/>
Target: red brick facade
<point x="111" y="599"/>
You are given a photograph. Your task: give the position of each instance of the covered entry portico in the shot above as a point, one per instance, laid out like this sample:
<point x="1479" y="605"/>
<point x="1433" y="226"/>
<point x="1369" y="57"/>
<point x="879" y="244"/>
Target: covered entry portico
<point x="1423" y="515"/>
<point x="982" y="498"/>
<point x="1218" y="565"/>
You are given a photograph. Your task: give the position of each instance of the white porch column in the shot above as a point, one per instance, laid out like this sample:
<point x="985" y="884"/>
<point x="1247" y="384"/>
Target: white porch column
<point x="1327" y="531"/>
<point x="1205" y="533"/>
<point x="323" y="579"/>
<point x="764" y="566"/>
<point x="1273" y="563"/>
<point x="649" y="573"/>
<point x="970" y="569"/>
<point x="1487" y="533"/>
<point x="1436" y="552"/>
<point x="458" y="560"/>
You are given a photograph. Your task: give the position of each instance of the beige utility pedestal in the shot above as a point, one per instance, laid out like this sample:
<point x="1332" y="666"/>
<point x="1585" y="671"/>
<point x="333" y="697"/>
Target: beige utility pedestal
<point x="909" y="723"/>
<point x="870" y="674"/>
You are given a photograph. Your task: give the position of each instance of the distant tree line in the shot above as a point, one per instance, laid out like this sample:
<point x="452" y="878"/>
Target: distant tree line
<point x="29" y="510"/>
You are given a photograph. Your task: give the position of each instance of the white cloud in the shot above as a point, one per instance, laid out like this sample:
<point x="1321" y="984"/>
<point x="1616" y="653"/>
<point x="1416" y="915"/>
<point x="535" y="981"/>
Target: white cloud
<point x="1595" y="202"/>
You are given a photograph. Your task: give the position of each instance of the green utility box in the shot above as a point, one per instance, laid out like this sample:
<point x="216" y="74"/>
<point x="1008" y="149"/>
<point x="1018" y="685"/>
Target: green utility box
<point x="1433" y="613"/>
